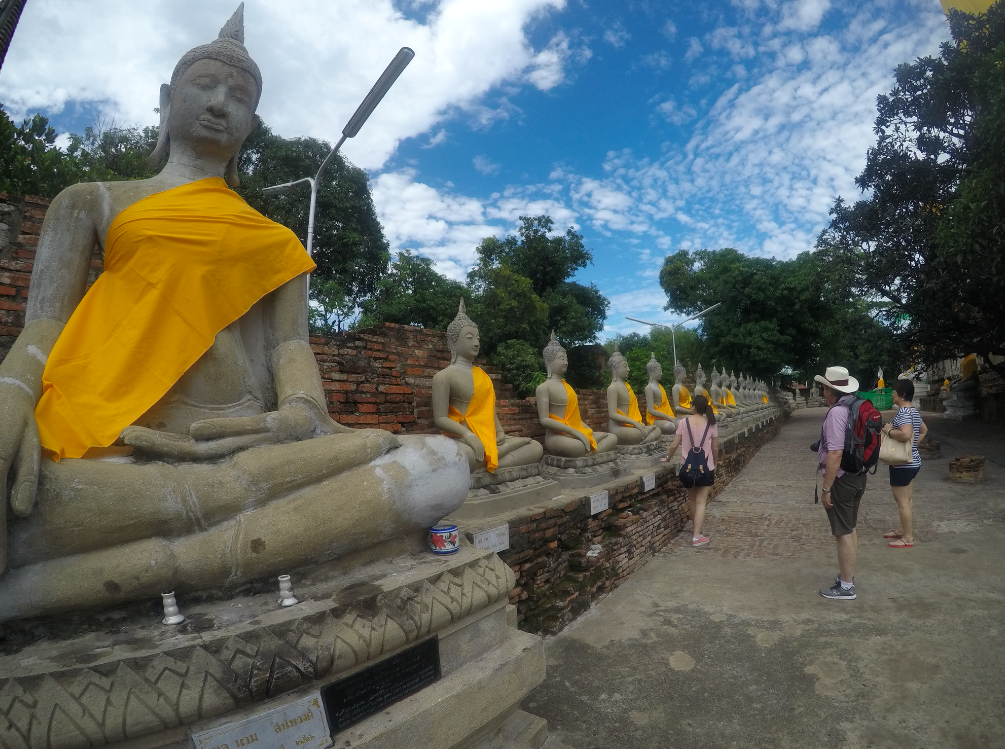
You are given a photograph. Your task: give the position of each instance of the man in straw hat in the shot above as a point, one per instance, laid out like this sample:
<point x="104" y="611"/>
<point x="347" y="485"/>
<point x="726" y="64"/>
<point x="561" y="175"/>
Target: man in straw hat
<point x="840" y="492"/>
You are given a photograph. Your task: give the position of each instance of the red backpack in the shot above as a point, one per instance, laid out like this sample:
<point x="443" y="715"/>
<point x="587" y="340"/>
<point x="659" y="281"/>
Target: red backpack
<point x="861" y="438"/>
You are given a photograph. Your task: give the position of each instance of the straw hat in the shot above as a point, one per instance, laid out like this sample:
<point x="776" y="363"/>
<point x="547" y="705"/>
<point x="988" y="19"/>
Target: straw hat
<point x="837" y="378"/>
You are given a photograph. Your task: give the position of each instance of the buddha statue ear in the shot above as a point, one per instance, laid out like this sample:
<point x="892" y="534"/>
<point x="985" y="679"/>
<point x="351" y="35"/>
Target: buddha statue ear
<point x="163" y="141"/>
<point x="232" y="177"/>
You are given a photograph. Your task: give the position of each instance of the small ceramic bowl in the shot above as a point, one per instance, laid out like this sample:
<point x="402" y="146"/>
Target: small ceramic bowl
<point x="443" y="539"/>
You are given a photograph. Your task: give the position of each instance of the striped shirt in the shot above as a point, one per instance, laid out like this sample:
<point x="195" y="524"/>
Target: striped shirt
<point x="910" y="415"/>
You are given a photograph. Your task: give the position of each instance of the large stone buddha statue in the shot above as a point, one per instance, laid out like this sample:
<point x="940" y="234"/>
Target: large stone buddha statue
<point x="565" y="433"/>
<point x="659" y="412"/>
<point x="681" y="395"/>
<point x="699" y="388"/>
<point x="464" y="406"/>
<point x="719" y="396"/>
<point x="180" y="394"/>
<point x="625" y="420"/>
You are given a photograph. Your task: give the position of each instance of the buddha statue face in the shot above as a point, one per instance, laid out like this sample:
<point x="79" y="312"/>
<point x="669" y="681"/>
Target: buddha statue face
<point x="468" y="343"/>
<point x="618" y="364"/>
<point x="679" y="373"/>
<point x="654" y="369"/>
<point x="699" y="379"/>
<point x="556" y="360"/>
<point x="212" y="109"/>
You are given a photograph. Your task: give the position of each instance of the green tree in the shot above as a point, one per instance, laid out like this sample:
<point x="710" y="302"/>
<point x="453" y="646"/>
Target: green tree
<point x="108" y="154"/>
<point x="30" y="162"/>
<point x="413" y="293"/>
<point x="349" y="244"/>
<point x="928" y="237"/>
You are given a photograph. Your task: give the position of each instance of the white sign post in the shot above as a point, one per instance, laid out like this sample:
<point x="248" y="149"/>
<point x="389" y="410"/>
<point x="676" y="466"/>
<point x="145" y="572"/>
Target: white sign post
<point x="298" y="725"/>
<point x="493" y="539"/>
<point x="599" y="502"/>
<point x="649" y="482"/>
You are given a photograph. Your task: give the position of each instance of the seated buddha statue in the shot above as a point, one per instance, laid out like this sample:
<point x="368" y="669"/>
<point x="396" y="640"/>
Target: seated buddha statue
<point x="719" y="396"/>
<point x="625" y="419"/>
<point x="659" y="412"/>
<point x="680" y="395"/>
<point x="464" y="406"/>
<point x="969" y="379"/>
<point x="699" y="387"/>
<point x="880" y="382"/>
<point x="565" y="434"/>
<point x="187" y="443"/>
<point x="736" y="391"/>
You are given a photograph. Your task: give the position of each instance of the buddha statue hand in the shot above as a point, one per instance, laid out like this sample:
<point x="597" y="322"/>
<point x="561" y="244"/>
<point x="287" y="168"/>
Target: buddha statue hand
<point x="19" y="452"/>
<point x="299" y="418"/>
<point x="471" y="440"/>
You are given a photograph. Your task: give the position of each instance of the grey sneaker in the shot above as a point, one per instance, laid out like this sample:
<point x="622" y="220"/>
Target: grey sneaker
<point x="836" y="592"/>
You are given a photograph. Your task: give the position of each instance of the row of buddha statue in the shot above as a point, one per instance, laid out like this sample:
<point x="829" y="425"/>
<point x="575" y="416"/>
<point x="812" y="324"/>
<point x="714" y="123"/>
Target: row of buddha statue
<point x="464" y="405"/>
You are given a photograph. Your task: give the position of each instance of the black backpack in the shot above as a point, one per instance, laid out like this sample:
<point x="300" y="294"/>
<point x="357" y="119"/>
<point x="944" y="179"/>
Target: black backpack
<point x="694" y="470"/>
<point x="861" y="438"/>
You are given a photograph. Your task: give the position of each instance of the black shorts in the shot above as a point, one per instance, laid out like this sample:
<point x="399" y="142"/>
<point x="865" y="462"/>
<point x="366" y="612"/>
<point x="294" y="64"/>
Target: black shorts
<point x="846" y="494"/>
<point x="903" y="475"/>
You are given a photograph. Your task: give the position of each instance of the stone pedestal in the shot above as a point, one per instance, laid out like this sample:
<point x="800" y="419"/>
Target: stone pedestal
<point x="125" y="680"/>
<point x="930" y="449"/>
<point x="505" y="489"/>
<point x="963" y="405"/>
<point x="638" y="457"/>
<point x="582" y="473"/>
<point x="969" y="470"/>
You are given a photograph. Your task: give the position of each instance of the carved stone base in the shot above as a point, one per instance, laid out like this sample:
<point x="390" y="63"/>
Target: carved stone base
<point x="503" y="490"/>
<point x="963" y="406"/>
<point x="582" y="473"/>
<point x="125" y="677"/>
<point x="636" y="457"/>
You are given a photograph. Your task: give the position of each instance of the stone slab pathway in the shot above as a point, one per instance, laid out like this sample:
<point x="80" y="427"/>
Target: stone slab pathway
<point x="732" y="646"/>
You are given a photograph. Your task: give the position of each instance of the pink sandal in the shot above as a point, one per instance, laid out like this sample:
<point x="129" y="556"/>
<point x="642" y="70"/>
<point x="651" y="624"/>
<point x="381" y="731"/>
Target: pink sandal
<point x="900" y="543"/>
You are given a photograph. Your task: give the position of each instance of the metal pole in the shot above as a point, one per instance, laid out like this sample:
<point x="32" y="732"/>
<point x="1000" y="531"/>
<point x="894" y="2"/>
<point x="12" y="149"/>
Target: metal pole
<point x="314" y="195"/>
<point x="673" y="335"/>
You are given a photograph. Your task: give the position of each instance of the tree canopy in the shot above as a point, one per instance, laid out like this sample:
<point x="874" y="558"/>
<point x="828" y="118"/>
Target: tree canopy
<point x="929" y="237"/>
<point x="30" y="162"/>
<point x="794" y="315"/>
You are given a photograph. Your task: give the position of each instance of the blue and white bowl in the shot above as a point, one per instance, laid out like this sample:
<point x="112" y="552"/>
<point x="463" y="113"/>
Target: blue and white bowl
<point x="444" y="539"/>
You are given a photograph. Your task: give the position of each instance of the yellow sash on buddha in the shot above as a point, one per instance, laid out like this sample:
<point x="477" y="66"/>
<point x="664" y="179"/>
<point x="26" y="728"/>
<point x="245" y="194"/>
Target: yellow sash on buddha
<point x="764" y="398"/>
<point x="968" y="367"/>
<point x="684" y="397"/>
<point x="881" y="383"/>
<point x="180" y="266"/>
<point x="663" y="407"/>
<point x="709" y="399"/>
<point x="480" y="417"/>
<point x="572" y="416"/>
<point x="633" y="406"/>
<point x="730" y="400"/>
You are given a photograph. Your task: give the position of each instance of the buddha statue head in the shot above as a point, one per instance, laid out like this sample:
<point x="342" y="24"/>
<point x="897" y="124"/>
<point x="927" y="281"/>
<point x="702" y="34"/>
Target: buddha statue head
<point x="208" y="109"/>
<point x="618" y="364"/>
<point x="654" y="369"/>
<point x="714" y="381"/>
<point x="699" y="379"/>
<point x="731" y="381"/>
<point x="679" y="374"/>
<point x="462" y="336"/>
<point x="556" y="360"/>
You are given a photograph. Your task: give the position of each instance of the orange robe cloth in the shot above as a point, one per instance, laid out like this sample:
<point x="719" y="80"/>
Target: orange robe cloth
<point x="663" y="407"/>
<point x="180" y="266"/>
<point x="709" y="399"/>
<point x="730" y="400"/>
<point x="764" y="399"/>
<point x="480" y="417"/>
<point x="572" y="417"/>
<point x="968" y="367"/>
<point x="684" y="397"/>
<point x="633" y="406"/>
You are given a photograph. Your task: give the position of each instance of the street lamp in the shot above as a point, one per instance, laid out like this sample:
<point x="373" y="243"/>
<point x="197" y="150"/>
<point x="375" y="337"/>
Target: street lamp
<point x="386" y="80"/>
<point x="673" y="328"/>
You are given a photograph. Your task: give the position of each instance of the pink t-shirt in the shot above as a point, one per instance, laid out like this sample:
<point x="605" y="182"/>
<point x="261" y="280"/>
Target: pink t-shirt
<point x="697" y="430"/>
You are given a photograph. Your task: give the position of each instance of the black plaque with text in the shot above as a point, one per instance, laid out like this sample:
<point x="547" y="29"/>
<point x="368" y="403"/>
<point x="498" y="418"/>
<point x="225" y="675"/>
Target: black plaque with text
<point x="371" y="690"/>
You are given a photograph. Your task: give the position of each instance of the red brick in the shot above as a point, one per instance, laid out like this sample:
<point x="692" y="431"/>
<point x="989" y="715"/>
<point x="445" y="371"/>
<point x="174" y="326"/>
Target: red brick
<point x="7" y="291"/>
<point x="367" y="419"/>
<point x="17" y="307"/>
<point x="367" y="408"/>
<point x="29" y="239"/>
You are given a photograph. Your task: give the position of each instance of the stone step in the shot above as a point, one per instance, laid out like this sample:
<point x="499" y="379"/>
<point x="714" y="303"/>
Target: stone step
<point x="524" y="730"/>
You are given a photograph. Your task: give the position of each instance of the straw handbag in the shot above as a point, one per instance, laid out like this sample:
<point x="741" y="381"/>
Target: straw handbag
<point x="894" y="452"/>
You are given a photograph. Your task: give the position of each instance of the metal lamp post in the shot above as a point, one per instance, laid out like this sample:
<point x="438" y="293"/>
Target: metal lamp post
<point x="673" y="328"/>
<point x="381" y="87"/>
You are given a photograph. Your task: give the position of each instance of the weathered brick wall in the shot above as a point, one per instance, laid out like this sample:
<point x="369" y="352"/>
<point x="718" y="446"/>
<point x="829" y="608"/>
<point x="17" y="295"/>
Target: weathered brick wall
<point x="558" y="577"/>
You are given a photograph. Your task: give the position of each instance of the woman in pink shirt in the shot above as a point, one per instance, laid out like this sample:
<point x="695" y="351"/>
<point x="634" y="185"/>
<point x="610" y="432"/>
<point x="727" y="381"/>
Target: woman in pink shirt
<point x="702" y="427"/>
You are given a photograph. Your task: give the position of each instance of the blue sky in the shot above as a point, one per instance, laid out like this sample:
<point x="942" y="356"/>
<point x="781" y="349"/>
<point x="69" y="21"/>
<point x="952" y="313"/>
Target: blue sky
<point x="649" y="126"/>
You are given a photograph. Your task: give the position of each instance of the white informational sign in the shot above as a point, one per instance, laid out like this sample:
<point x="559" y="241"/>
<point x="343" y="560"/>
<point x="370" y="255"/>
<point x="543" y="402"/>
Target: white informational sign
<point x="649" y="482"/>
<point x="494" y="539"/>
<point x="298" y="725"/>
<point x="598" y="502"/>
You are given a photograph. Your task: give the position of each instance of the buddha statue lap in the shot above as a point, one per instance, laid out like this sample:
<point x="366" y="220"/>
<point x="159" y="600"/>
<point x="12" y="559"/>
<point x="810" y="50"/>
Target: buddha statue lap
<point x="659" y="411"/>
<point x="625" y="420"/>
<point x="565" y="436"/>
<point x="182" y="398"/>
<point x="464" y="406"/>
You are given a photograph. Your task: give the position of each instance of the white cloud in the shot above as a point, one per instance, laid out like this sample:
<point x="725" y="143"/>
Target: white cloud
<point x="318" y="60"/>
<point x="485" y="165"/>
<point x="694" y="50"/>
<point x="617" y="35"/>
<point x="670" y="30"/>
<point x="803" y="15"/>
<point x="658" y="61"/>
<point x="676" y="114"/>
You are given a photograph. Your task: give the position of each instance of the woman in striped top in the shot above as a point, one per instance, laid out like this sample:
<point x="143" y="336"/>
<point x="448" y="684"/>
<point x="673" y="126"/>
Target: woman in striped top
<point x="906" y="426"/>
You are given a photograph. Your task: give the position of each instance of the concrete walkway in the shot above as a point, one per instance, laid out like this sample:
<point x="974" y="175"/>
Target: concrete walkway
<point x="732" y="645"/>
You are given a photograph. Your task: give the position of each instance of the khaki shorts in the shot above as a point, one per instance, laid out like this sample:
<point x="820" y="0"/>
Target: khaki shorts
<point x="846" y="495"/>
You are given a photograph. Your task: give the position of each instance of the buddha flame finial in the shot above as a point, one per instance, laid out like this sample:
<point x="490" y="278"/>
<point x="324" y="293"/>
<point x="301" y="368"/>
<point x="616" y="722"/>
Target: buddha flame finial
<point x="234" y="28"/>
